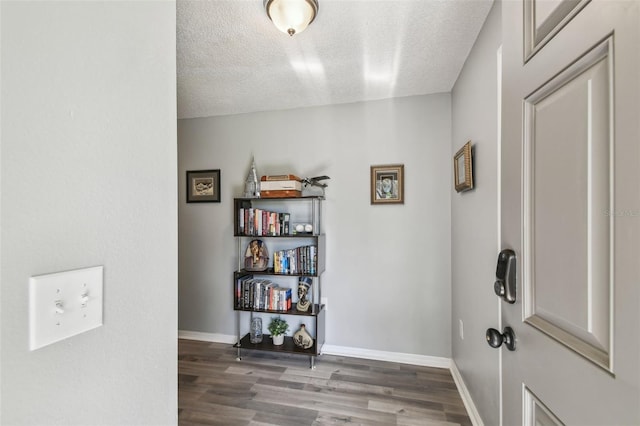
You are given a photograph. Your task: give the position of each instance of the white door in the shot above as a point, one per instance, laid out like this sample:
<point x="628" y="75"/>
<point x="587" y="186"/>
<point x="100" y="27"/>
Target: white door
<point x="571" y="210"/>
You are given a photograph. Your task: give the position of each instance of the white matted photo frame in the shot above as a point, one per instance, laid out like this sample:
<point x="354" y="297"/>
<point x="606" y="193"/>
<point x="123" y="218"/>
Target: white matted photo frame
<point x="463" y="168"/>
<point x="387" y="184"/>
<point x="203" y="186"/>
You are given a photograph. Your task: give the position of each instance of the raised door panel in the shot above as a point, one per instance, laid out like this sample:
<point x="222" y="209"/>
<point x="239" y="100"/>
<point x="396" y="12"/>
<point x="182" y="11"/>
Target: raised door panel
<point x="543" y="19"/>
<point x="567" y="191"/>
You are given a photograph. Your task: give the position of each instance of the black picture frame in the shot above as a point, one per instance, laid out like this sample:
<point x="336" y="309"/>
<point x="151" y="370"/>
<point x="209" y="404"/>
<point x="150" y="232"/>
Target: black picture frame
<point x="203" y="186"/>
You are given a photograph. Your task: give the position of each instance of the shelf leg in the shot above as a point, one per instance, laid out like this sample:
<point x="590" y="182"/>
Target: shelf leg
<point x="238" y="358"/>
<point x="312" y="360"/>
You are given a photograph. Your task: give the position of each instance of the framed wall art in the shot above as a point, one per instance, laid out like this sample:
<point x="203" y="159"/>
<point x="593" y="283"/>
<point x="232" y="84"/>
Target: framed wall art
<point x="387" y="184"/>
<point x="463" y="168"/>
<point x="203" y="186"/>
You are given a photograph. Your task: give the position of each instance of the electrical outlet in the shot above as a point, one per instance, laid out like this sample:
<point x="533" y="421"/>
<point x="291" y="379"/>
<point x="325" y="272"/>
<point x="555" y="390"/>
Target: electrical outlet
<point x="461" y="329"/>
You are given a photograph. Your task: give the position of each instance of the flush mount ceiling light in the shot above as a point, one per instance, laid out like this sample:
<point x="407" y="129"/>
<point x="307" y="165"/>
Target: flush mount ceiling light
<point x="291" y="16"/>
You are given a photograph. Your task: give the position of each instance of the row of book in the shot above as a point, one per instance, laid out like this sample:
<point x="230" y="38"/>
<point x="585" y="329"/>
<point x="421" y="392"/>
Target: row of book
<point x="300" y="260"/>
<point x="261" y="294"/>
<point x="259" y="222"/>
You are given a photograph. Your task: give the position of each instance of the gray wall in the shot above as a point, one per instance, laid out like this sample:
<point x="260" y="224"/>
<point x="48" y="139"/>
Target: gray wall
<point x="474" y="221"/>
<point x="88" y="177"/>
<point x="388" y="267"/>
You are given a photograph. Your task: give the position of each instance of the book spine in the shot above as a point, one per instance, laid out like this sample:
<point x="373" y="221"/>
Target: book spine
<point x="272" y="299"/>
<point x="286" y="224"/>
<point x="276" y="266"/>
<point x="265" y="223"/>
<point x="272" y="223"/>
<point x="294" y="261"/>
<point x="258" y="222"/>
<point x="278" y="301"/>
<point x="285" y="302"/>
<point x="254" y="295"/>
<point x="281" y="223"/>
<point x="266" y="295"/>
<point x="241" y="221"/>
<point x="245" y="292"/>
<point x="238" y="293"/>
<point x="263" y="296"/>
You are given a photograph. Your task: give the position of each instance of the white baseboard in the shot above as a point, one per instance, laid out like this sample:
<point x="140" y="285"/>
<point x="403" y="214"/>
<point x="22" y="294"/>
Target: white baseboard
<point x="427" y="361"/>
<point x="413" y="359"/>
<point x="207" y="337"/>
<point x="476" y="420"/>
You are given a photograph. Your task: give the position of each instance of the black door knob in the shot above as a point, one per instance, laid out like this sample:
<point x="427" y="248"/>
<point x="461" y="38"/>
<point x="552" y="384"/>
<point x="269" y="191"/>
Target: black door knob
<point x="495" y="339"/>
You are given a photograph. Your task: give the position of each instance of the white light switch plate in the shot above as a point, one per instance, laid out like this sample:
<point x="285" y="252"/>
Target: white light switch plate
<point x="64" y="304"/>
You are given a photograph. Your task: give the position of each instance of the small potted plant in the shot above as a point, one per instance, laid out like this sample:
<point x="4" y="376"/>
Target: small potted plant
<point x="278" y="327"/>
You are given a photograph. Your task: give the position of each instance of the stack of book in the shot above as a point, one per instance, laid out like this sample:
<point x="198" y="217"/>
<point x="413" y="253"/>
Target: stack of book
<point x="259" y="222"/>
<point x="278" y="186"/>
<point x="261" y="294"/>
<point x="300" y="261"/>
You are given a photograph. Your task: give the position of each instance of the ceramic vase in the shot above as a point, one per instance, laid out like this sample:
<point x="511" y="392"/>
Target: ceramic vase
<point x="302" y="338"/>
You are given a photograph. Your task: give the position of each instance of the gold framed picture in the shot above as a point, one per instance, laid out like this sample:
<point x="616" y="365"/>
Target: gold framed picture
<point x="387" y="184"/>
<point x="463" y="168"/>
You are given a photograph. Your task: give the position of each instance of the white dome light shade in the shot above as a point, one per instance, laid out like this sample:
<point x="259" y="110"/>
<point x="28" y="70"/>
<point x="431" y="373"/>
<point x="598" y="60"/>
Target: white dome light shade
<point x="291" y="16"/>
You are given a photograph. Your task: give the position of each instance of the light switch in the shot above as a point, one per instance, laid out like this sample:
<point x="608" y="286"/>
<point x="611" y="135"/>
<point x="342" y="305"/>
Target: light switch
<point x="64" y="304"/>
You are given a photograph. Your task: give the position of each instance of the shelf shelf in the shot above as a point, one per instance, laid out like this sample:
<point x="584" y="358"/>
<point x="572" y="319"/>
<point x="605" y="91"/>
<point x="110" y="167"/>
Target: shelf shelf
<point x="305" y="197"/>
<point x="269" y="271"/>
<point x="311" y="313"/>
<point x="300" y="235"/>
<point x="266" y="345"/>
<point x="320" y="243"/>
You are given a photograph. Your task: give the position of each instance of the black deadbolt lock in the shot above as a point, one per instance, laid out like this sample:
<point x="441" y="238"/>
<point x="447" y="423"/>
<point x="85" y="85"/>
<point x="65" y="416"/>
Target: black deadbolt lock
<point x="505" y="285"/>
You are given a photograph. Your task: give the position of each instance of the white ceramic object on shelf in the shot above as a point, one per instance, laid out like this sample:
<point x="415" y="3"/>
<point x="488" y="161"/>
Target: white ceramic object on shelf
<point x="278" y="340"/>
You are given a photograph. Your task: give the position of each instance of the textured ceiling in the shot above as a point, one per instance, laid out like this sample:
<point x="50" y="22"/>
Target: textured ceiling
<point x="231" y="59"/>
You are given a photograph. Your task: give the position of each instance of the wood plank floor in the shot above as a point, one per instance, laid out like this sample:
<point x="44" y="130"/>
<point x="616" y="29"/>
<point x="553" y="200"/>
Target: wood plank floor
<point x="275" y="389"/>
